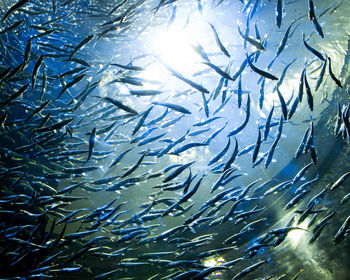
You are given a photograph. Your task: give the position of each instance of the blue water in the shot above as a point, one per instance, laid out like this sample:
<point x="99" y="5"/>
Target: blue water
<point x="162" y="42"/>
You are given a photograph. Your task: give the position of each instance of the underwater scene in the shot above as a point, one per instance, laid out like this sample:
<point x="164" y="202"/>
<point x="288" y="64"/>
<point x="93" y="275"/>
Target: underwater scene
<point x="175" y="139"/>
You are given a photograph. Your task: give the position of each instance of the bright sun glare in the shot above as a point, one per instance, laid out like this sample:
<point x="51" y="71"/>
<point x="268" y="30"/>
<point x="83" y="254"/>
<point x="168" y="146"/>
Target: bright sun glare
<point x="296" y="235"/>
<point x="174" y="47"/>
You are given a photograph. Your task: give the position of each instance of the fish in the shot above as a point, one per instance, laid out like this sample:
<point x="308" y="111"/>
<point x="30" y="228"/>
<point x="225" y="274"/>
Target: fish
<point x="342" y="231"/>
<point x="245" y="122"/>
<point x="261" y="72"/>
<point x="293" y="108"/>
<point x="187" y="81"/>
<point x="218" y="70"/>
<point x="251" y="41"/>
<point x="302" y="144"/>
<point x="268" y="123"/>
<point x="188" y="146"/>
<point x="339" y="181"/>
<point x="134" y="167"/>
<point x="13" y="96"/>
<point x="177" y="171"/>
<point x="174" y="107"/>
<point x="13" y="8"/>
<point x="82" y="43"/>
<point x="221" y="153"/>
<point x="262" y="94"/>
<point x="148" y="92"/>
<point x="312" y="17"/>
<point x="321" y="76"/>
<point x="334" y="78"/>
<point x="256" y="147"/>
<point x="141" y="121"/>
<point x="205" y="105"/>
<point x="214" y="134"/>
<point x="279" y="9"/>
<point x="218" y="41"/>
<point x="118" y="104"/>
<point x="249" y="269"/>
<point x="283" y="104"/>
<point x="92" y="140"/>
<point x="11" y="27"/>
<point x="76" y="80"/>
<point x="301" y="173"/>
<point x="271" y="152"/>
<point x="312" y="50"/>
<point x="232" y="157"/>
<point x="200" y="50"/>
<point x="281" y="45"/>
<point x="280" y="81"/>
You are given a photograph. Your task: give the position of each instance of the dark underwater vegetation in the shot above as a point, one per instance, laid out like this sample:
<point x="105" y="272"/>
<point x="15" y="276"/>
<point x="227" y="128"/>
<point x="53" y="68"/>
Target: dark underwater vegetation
<point x="174" y="139"/>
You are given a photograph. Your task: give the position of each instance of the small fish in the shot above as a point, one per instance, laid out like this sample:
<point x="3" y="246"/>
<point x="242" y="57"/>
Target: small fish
<point x="321" y="75"/>
<point x="251" y="41"/>
<point x="218" y="41"/>
<point x="14" y="96"/>
<point x="134" y="167"/>
<point x="279" y="11"/>
<point x="232" y="157"/>
<point x="271" y="152"/>
<point x="268" y="123"/>
<point x="256" y="147"/>
<point x="174" y="107"/>
<point x="119" y="104"/>
<point x="218" y="88"/>
<point x="249" y="269"/>
<point x="13" y="8"/>
<point x="342" y="231"/>
<point x="311" y="49"/>
<point x="243" y="125"/>
<point x="13" y="26"/>
<point x="205" y="105"/>
<point x="302" y="143"/>
<point x="334" y="78"/>
<point x="92" y="140"/>
<point x="85" y="41"/>
<point x="200" y="50"/>
<point x="36" y="70"/>
<point x="151" y="139"/>
<point x="280" y="81"/>
<point x="239" y="92"/>
<point x="339" y="181"/>
<point x="205" y="122"/>
<point x="218" y="70"/>
<point x="188" y="146"/>
<point x="261" y="72"/>
<point x="141" y="121"/>
<point x="187" y="81"/>
<point x="145" y="92"/>
<point x="214" y="134"/>
<point x="221" y="153"/>
<point x="262" y="94"/>
<point x="301" y="173"/>
<point x="310" y="100"/>
<point x="293" y="108"/>
<point x="128" y="67"/>
<point x="177" y="171"/>
<point x="69" y="85"/>
<point x="55" y="126"/>
<point x="283" y="104"/>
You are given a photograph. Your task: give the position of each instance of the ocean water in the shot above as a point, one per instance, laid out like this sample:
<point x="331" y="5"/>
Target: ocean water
<point x="92" y="77"/>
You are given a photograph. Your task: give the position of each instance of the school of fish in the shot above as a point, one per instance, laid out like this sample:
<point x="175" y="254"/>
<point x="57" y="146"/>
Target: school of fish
<point x="108" y="174"/>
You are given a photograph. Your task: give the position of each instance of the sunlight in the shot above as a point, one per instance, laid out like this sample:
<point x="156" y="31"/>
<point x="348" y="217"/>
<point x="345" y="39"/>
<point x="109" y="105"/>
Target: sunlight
<point x="295" y="236"/>
<point x="174" y="47"/>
